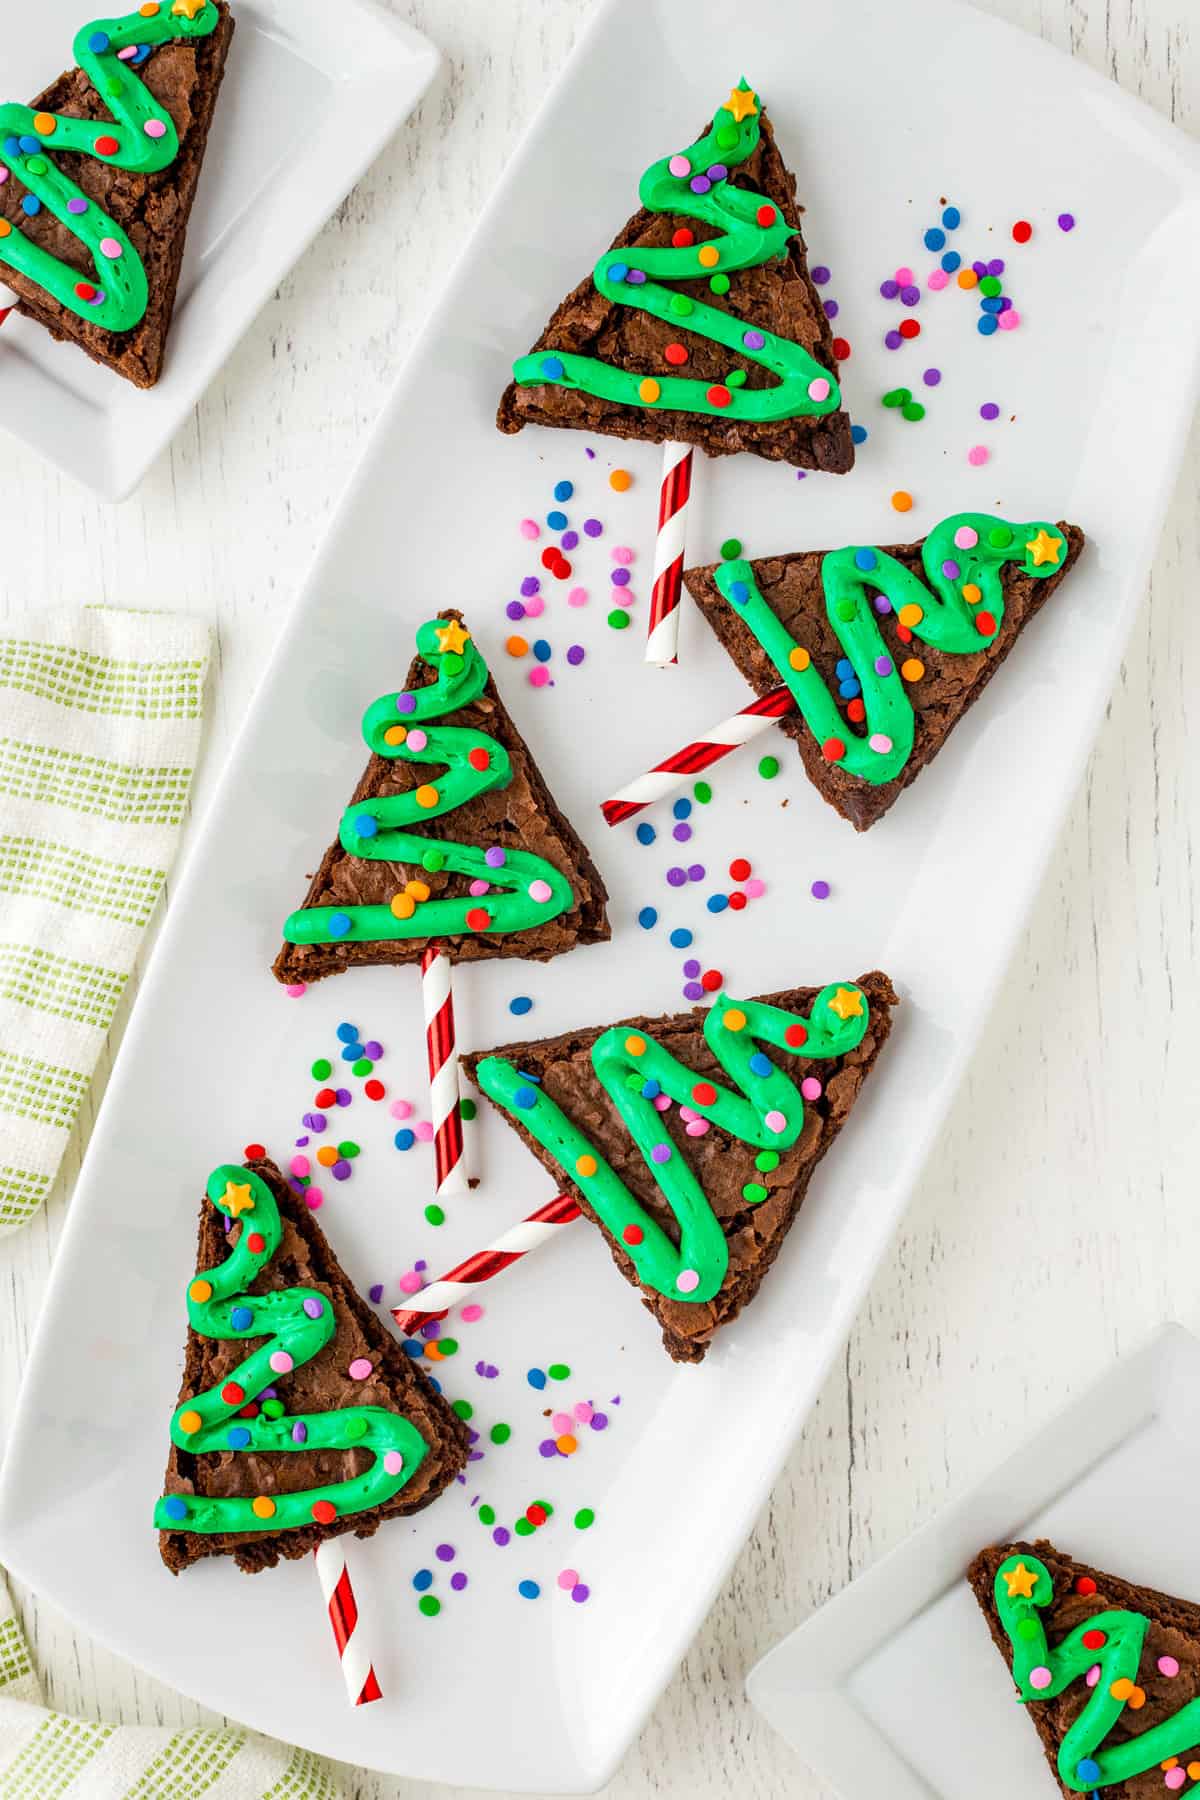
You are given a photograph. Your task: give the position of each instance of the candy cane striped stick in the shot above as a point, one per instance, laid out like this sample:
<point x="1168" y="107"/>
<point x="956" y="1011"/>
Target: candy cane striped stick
<point x="8" y="301"/>
<point x="666" y="776"/>
<point x="485" y="1265"/>
<point x="675" y="491"/>
<point x="358" y="1671"/>
<point x="446" y="1100"/>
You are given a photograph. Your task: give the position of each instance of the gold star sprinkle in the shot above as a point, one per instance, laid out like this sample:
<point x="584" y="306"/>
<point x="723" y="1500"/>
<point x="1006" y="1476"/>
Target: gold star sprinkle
<point x="188" y="9"/>
<point x="238" y="1199"/>
<point x="847" y="1003"/>
<point x="452" y="637"/>
<point x="742" y="104"/>
<point x="1044" y="549"/>
<point x="1021" y="1582"/>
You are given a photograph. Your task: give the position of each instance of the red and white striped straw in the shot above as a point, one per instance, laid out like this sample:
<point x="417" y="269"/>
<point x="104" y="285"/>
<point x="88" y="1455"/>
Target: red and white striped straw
<point x="445" y="1097"/>
<point x="8" y="301"/>
<point x="437" y="1299"/>
<point x="675" y="491"/>
<point x="670" y="774"/>
<point x="358" y="1671"/>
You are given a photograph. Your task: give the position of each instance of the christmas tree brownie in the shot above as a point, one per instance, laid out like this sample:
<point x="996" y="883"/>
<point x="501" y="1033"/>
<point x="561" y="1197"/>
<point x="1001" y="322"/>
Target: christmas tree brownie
<point x="1109" y="1671"/>
<point x="701" y="324"/>
<point x="452" y="837"/>
<point x="98" y="176"/>
<point x="299" y="1417"/>
<point x="883" y="651"/>
<point x="695" y="1183"/>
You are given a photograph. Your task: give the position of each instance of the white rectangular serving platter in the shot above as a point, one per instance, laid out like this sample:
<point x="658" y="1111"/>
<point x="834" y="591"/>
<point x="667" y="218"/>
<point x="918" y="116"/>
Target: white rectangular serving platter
<point x="312" y="93"/>
<point x="850" y="1689"/>
<point x="1104" y="365"/>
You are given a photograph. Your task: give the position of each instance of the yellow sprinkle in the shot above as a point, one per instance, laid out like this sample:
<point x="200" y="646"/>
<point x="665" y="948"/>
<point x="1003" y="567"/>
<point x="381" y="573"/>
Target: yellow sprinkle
<point x="911" y="615"/>
<point x="735" y="1019"/>
<point x="619" y="480"/>
<point x="426" y="796"/>
<point x="648" y="389"/>
<point x="417" y="891"/>
<point x="586" y="1165"/>
<point x="200" y="1290"/>
<point x="263" y="1507"/>
<point x="190" y="1421"/>
<point x="799" y="659"/>
<point x="44" y="123"/>
<point x="913" y="669"/>
<point x="708" y="256"/>
<point x="403" y="906"/>
<point x="395" y="734"/>
<point x="636" y="1046"/>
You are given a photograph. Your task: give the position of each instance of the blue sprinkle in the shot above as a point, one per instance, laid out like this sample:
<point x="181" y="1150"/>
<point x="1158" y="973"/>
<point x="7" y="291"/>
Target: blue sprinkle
<point x="143" y="51"/>
<point x="239" y="1437"/>
<point x="646" y="834"/>
<point x="951" y="261"/>
<point x="563" y="490"/>
<point x="241" y="1318"/>
<point x="12" y="146"/>
<point x="31" y="205"/>
<point x="405" y="1139"/>
<point x="865" y="559"/>
<point x="348" y="1034"/>
<point x="528" y="1590"/>
<point x="98" y="42"/>
<point x="174" y="1507"/>
<point x="552" y="368"/>
<point x="434" y="1383"/>
<point x="987" y="325"/>
<point x="557" y="521"/>
<point x="536" y="1378"/>
<point x="681" y="937"/>
<point x="845" y="669"/>
<point x="339" y="925"/>
<point x="375" y="1293"/>
<point x="618" y="271"/>
<point x="533" y="1080"/>
<point x="858" y="434"/>
<point x="648" y="918"/>
<point x="934" y="239"/>
<point x="717" y="903"/>
<point x="30" y="145"/>
<point x="525" y="1097"/>
<point x="413" y="1347"/>
<point x="992" y="303"/>
<point x="366" y="825"/>
<point x="422" y="1580"/>
<point x="739" y="593"/>
<point x="1088" y="1769"/>
<point x="849" y="690"/>
<point x="521" y="1004"/>
<point x="760" y="1064"/>
<point x="682" y="809"/>
<point x="952" y="218"/>
<point x="542" y="650"/>
<point x="651" y="1089"/>
<point x="352" y="1052"/>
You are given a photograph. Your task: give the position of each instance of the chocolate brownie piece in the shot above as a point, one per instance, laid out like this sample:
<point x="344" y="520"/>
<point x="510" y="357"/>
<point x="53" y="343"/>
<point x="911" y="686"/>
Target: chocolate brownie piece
<point x="563" y="1068"/>
<point x="779" y="296"/>
<point x="185" y="78"/>
<point x="793" y="587"/>
<point x="521" y="816"/>
<point x="305" y="1260"/>
<point x="1172" y="1642"/>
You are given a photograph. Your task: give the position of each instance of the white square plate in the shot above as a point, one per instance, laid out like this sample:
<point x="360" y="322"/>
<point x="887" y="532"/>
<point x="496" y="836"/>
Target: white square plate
<point x="935" y="894"/>
<point x="850" y="1690"/>
<point x="312" y="93"/>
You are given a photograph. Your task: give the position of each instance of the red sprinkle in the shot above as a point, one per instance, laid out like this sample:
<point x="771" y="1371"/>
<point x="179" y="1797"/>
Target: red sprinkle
<point x="1085" y="1585"/>
<point x="719" y="395"/>
<point x="856" y="712"/>
<point x="765" y="215"/>
<point x="107" y="146"/>
<point x="254" y="1152"/>
<point x="910" y="328"/>
<point x="537" y="1515"/>
<point x="683" y="237"/>
<point x="676" y="355"/>
<point x="256" y="1243"/>
<point x="794" y="1036"/>
<point x="374" y="1090"/>
<point x="985" y="623"/>
<point x="1094" y="1640"/>
<point x="479" y="759"/>
<point x="841" y="349"/>
<point x="1022" y="231"/>
<point x="904" y="634"/>
<point x="704" y="1094"/>
<point x="737" y="902"/>
<point x="85" y="290"/>
<point x="478" y="919"/>
<point x="324" y="1097"/>
<point x="833" y="750"/>
<point x="633" y="1234"/>
<point x="711" y="980"/>
<point x="232" y="1394"/>
<point x="324" y="1512"/>
<point x="739" y="869"/>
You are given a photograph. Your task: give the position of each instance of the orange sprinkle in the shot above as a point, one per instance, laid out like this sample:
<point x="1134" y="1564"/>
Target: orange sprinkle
<point x="403" y="906"/>
<point x="735" y="1019"/>
<point x="911" y="615"/>
<point x="619" y="480"/>
<point x="585" y="1165"/>
<point x="327" y="1155"/>
<point x="433" y="1353"/>
<point x="517" y="646"/>
<point x="44" y="123"/>
<point x="262" y="1506"/>
<point x="426" y="796"/>
<point x="1137" y="1700"/>
<point x="799" y="659"/>
<point x="567" y="1444"/>
<point x="151" y="10"/>
<point x="902" y="501"/>
<point x="708" y="256"/>
<point x="971" y="594"/>
<point x="635" y="1045"/>
<point x="1122" y="1689"/>
<point x="913" y="669"/>
<point x="190" y="1421"/>
<point x="416" y="890"/>
<point x="5" y="228"/>
<point x="200" y="1290"/>
<point x="395" y="734"/>
<point x="1193" y="1770"/>
<point x="967" y="278"/>
<point x="648" y="389"/>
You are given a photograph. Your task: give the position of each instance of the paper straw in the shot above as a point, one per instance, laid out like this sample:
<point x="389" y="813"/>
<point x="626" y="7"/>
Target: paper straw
<point x="675" y="491"/>
<point x="666" y="776"/>
<point x="358" y="1671"/>
<point x="445" y="1097"/>
<point x="8" y="301"/>
<point x="437" y="1299"/>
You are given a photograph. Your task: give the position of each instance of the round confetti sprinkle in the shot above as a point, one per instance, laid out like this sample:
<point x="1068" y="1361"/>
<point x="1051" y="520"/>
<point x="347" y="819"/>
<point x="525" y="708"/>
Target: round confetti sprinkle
<point x="1022" y="231"/>
<point x="528" y="1590"/>
<point x="1066" y="221"/>
<point x="902" y="501"/>
<point x="520" y="1004"/>
<point x="977" y="455"/>
<point x="768" y="767"/>
<point x="820" y="890"/>
<point x="620" y="480"/>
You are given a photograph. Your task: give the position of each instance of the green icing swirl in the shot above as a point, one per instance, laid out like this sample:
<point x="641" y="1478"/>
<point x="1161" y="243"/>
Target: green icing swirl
<point x="1118" y="1660"/>
<point x="767" y="1113"/>
<point x="292" y="1323"/>
<point x="635" y="277"/>
<point x="532" y="892"/>
<point x="959" y="612"/>
<point x="147" y="142"/>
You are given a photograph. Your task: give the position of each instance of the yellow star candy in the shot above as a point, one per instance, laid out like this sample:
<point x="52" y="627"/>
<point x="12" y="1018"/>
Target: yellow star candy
<point x="238" y="1199"/>
<point x="188" y="9"/>
<point x="452" y="637"/>
<point x="1044" y="549"/>
<point x="1021" y="1582"/>
<point x="742" y="104"/>
<point x="847" y="1003"/>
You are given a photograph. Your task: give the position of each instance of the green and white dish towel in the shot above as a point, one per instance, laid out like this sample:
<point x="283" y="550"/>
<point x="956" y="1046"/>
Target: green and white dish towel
<point x="47" y="1755"/>
<point x="100" y="720"/>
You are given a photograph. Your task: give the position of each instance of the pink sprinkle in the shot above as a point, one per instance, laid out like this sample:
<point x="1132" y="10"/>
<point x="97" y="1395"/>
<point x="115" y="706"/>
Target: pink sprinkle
<point x="568" y="1579"/>
<point x="1168" y="1666"/>
<point x="818" y="389"/>
<point x="401" y="1109"/>
<point x="539" y="677"/>
<point x="811" y="1088"/>
<point x="775" y="1120"/>
<point x="296" y="988"/>
<point x="755" y="889"/>
<point x="679" y="165"/>
<point x="562" y="1422"/>
<point x="3" y="175"/>
<point x="662" y="1102"/>
<point x="424" y="1132"/>
<point x="576" y="597"/>
<point x="1174" y="1778"/>
<point x="281" y="1362"/>
<point x="1008" y="321"/>
<point x="687" y="1281"/>
<point x="938" y="279"/>
<point x="977" y="455"/>
<point x="966" y="537"/>
<point x="111" y="248"/>
<point x="410" y="1282"/>
<point x="535" y="606"/>
<point x="880" y="742"/>
<point x="905" y="277"/>
<point x="470" y="1313"/>
<point x="418" y="739"/>
<point x="154" y="128"/>
<point x="313" y="1198"/>
<point x="583" y="1411"/>
<point x="393" y="1462"/>
<point x="127" y="55"/>
<point x="540" y="891"/>
<point x="479" y="888"/>
<point x="530" y="529"/>
<point x="688" y="1113"/>
<point x="1040" y="1678"/>
<point x="697" y="1128"/>
<point x="300" y="1165"/>
<point x="359" y="1369"/>
<point x="622" y="554"/>
<point x="1093" y="1675"/>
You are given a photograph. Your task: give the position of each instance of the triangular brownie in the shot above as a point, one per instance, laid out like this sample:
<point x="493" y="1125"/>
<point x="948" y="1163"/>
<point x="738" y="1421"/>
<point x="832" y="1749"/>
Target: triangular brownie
<point x="883" y="650"/>
<point x="99" y="175"/>
<point x="694" y="1182"/>
<point x="474" y="857"/>
<point x="277" y="1376"/>
<point x="701" y="322"/>
<point x="1109" y="1671"/>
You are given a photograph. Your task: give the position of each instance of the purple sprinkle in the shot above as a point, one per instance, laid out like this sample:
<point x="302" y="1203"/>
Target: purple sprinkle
<point x="569" y="540"/>
<point x="931" y="377"/>
<point x="472" y="1435"/>
<point x="445" y="1553"/>
<point x="599" y="1420"/>
<point x="488" y="1371"/>
<point x="700" y="184"/>
<point x="691" y="968"/>
<point x="458" y="1581"/>
<point x="620" y="578"/>
<point x="692" y="990"/>
<point x="592" y="527"/>
<point x="889" y="288"/>
<point x="529" y="586"/>
<point x="314" y="1308"/>
<point x="882" y="604"/>
<point x="1005" y="303"/>
<point x="78" y="206"/>
<point x="695" y="872"/>
<point x="589" y="453"/>
<point x="575" y="655"/>
<point x="980" y="268"/>
<point x="820" y="275"/>
<point x="343" y="1096"/>
<point x="406" y="703"/>
<point x="910" y="296"/>
<point x="432" y="1328"/>
<point x="299" y="1432"/>
<point x="296" y="1185"/>
<point x="661" y="1153"/>
<point x="829" y="308"/>
<point x="989" y="410"/>
<point x="681" y="832"/>
<point x="502" y="1535"/>
<point x="373" y="1048"/>
<point x="515" y="610"/>
<point x="820" y="890"/>
<point x="996" y="266"/>
<point x="753" y="340"/>
<point x="375" y="1293"/>
<point x="340" y="1170"/>
<point x="472" y="1455"/>
<point x="950" y="569"/>
<point x="580" y="1592"/>
<point x="717" y="172"/>
<point x="635" y="277"/>
<point x="494" y="857"/>
<point x="1066" y="221"/>
<point x="883" y="665"/>
<point x="893" y="340"/>
<point x="676" y="877"/>
<point x="801" y="474"/>
<point x="268" y="1394"/>
<point x="421" y="1266"/>
<point x="302" y="1143"/>
<point x="548" y="1447"/>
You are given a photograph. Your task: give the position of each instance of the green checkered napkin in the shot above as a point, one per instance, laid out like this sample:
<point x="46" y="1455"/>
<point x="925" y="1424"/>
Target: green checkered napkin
<point x="45" y="1755"/>
<point x="100" y="718"/>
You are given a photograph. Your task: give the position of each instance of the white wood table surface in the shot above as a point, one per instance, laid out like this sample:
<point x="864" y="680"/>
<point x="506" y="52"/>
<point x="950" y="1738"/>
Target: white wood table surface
<point x="1058" y="1224"/>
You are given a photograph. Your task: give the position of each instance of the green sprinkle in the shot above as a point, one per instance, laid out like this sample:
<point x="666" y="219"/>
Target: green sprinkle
<point x="349" y="1150"/>
<point x="452" y="663"/>
<point x="545" y="1506"/>
<point x="681" y="306"/>
<point x="321" y="1069"/>
<point x="618" y="618"/>
<point x="897" y="396"/>
<point x="1027" y="1628"/>
<point x="754" y="1192"/>
<point x="273" y="1409"/>
<point x="558" y="1372"/>
<point x="363" y="1066"/>
<point x="846" y="610"/>
<point x="524" y="1527"/>
<point x="434" y="1215"/>
<point x="736" y="377"/>
<point x="500" y="1434"/>
<point x="430" y="1605"/>
<point x="1000" y="537"/>
<point x="727" y="137"/>
<point x="355" y="1428"/>
<point x="433" y="860"/>
<point x="463" y="1408"/>
<point x="991" y="285"/>
<point x="702" y="791"/>
<point x="448" y="1346"/>
<point x="766" y="1160"/>
<point x="487" y="1514"/>
<point x="912" y="412"/>
<point x="720" y="285"/>
<point x="584" y="1518"/>
<point x="731" y="548"/>
<point x="768" y="768"/>
<point x="467" y="1109"/>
